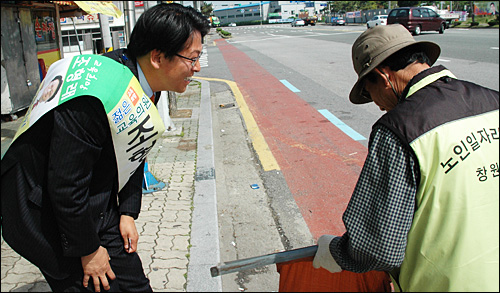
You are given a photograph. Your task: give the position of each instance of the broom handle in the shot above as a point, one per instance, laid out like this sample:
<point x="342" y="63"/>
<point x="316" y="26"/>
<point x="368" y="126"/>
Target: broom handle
<point x="263" y="260"/>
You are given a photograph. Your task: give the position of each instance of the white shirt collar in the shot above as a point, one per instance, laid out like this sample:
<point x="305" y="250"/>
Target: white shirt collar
<point x="144" y="82"/>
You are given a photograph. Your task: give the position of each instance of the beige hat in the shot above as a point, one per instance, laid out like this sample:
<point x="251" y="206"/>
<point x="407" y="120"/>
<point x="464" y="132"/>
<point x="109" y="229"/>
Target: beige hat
<point x="377" y="44"/>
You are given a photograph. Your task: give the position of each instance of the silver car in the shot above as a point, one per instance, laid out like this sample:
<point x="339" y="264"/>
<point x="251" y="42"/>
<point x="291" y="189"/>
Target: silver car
<point x="377" y="20"/>
<point x="298" y="22"/>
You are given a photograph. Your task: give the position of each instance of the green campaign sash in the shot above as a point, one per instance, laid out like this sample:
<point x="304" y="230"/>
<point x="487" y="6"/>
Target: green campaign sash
<point x="133" y="119"/>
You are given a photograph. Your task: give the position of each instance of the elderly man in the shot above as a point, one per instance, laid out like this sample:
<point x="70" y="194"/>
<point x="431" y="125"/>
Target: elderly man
<point x="425" y="207"/>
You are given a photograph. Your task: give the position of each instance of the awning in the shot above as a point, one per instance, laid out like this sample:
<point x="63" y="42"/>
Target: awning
<point x="90" y="7"/>
<point x="106" y="8"/>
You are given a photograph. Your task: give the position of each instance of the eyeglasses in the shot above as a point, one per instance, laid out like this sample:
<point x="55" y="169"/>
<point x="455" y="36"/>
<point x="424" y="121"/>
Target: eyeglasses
<point x="193" y="60"/>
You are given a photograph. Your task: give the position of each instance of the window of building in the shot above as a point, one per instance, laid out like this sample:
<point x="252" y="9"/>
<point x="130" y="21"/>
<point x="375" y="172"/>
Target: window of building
<point x="45" y="30"/>
<point x="84" y="40"/>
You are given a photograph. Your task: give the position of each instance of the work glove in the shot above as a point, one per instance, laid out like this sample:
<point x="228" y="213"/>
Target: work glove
<point x="323" y="257"/>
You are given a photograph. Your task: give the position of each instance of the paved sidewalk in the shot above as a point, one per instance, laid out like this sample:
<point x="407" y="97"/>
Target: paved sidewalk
<point x="164" y="224"/>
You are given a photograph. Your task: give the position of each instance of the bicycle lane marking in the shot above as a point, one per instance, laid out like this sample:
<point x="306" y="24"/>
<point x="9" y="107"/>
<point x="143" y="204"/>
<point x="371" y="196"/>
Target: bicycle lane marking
<point x="320" y="163"/>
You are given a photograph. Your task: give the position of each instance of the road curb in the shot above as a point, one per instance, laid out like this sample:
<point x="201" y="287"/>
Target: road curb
<point x="204" y="252"/>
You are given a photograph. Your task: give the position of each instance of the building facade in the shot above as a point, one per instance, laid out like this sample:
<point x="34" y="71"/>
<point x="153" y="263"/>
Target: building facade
<point x="267" y="11"/>
<point x="243" y="13"/>
<point x="30" y="43"/>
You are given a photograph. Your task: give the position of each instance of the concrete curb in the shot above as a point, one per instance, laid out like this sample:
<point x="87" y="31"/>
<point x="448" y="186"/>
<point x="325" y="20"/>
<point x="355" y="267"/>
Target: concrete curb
<point x="204" y="252"/>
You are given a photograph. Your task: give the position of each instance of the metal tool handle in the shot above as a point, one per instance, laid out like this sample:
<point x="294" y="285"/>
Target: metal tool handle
<point x="263" y="260"/>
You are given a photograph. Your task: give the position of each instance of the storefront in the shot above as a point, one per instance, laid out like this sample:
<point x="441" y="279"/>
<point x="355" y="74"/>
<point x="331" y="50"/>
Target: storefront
<point x="31" y="42"/>
<point x="46" y="37"/>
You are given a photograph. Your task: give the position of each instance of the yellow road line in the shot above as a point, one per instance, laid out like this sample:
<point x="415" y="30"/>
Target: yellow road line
<point x="258" y="141"/>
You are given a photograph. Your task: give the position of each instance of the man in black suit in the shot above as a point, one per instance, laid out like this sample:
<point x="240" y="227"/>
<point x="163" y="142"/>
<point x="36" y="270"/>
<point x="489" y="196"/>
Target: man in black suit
<point x="62" y="205"/>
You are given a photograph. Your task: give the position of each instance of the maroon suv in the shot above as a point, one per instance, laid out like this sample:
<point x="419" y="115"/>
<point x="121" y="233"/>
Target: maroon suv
<point x="417" y="19"/>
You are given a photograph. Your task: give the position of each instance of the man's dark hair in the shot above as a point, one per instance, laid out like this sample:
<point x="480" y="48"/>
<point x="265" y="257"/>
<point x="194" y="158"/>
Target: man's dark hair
<point x="406" y="57"/>
<point x="401" y="59"/>
<point x="165" y="27"/>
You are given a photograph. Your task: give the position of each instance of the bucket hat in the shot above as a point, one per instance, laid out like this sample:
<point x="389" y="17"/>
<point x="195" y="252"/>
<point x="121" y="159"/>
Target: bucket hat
<point x="375" y="45"/>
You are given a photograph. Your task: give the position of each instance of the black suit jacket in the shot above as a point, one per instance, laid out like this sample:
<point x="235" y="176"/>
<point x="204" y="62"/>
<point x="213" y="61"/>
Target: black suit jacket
<point x="59" y="185"/>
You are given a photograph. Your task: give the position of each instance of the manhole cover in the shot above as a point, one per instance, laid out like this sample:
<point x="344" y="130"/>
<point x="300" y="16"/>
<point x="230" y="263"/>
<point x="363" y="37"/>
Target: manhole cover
<point x="183" y="113"/>
<point x="187" y="145"/>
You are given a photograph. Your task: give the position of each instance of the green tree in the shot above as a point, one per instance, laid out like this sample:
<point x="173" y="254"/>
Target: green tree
<point x="460" y="5"/>
<point x="207" y="9"/>
<point x="344" y="6"/>
<point x="409" y="3"/>
<point x="341" y="6"/>
<point x="367" y="5"/>
<point x="380" y="4"/>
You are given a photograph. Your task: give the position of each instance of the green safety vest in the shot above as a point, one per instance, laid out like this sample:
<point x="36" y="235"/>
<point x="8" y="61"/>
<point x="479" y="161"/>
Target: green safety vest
<point x="453" y="241"/>
<point x="134" y="121"/>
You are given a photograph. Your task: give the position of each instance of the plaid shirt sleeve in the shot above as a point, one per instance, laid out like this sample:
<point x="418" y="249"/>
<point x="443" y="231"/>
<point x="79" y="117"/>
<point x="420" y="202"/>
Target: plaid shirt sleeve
<point x="380" y="211"/>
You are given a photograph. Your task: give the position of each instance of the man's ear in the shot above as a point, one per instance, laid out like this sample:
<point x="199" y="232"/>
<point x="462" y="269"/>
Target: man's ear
<point x="155" y="58"/>
<point x="384" y="76"/>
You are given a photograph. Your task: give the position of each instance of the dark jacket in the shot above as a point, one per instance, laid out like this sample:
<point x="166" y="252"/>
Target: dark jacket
<point x="59" y="185"/>
<point x="447" y="99"/>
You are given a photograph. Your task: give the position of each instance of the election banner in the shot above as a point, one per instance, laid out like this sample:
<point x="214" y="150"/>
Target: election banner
<point x="134" y="121"/>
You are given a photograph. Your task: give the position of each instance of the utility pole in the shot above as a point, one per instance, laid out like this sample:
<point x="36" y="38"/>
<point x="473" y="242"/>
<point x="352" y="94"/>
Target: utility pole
<point x="260" y="12"/>
<point x="58" y="28"/>
<point x="472" y="9"/>
<point x="129" y="9"/>
<point x="105" y="32"/>
<point x="76" y="34"/>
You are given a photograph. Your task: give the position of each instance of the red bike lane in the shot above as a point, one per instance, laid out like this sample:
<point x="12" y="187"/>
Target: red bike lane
<point x="320" y="163"/>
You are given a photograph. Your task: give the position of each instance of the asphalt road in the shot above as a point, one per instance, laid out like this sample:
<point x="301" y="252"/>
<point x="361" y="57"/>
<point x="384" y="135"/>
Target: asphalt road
<point x="285" y="71"/>
<point x="317" y="62"/>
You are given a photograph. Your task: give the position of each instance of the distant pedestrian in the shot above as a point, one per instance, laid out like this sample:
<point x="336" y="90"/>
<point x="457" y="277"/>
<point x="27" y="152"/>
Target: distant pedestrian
<point x="425" y="207"/>
<point x="72" y="178"/>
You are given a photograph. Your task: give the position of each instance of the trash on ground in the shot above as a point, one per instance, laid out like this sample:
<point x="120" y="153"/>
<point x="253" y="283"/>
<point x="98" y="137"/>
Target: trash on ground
<point x="223" y="106"/>
<point x="254" y="186"/>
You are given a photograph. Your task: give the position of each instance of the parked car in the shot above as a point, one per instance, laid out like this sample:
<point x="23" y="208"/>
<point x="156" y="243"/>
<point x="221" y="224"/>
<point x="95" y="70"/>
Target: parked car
<point x="377" y="20"/>
<point x="338" y="21"/>
<point x="232" y="24"/>
<point x="298" y="22"/>
<point x="417" y="19"/>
